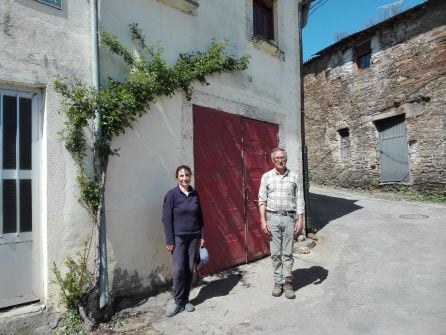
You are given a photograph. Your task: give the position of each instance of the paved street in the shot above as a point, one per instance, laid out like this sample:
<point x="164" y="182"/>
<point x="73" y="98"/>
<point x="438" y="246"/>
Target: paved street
<point x="379" y="267"/>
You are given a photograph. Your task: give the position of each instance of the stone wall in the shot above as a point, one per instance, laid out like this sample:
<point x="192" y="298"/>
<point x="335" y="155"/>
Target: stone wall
<point x="406" y="77"/>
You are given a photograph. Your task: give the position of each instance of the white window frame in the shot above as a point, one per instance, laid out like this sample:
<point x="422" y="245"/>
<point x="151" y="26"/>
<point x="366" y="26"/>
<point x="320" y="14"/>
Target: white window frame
<point x="16" y="174"/>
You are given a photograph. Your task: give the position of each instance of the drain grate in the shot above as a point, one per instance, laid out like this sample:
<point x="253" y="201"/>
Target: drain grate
<point x="414" y="216"/>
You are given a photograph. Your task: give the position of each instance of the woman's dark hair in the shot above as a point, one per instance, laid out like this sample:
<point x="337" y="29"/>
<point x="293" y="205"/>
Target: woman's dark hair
<point x="181" y="167"/>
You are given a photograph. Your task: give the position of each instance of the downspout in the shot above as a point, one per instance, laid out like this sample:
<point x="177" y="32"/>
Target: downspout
<point x="103" y="269"/>
<point x="305" y="176"/>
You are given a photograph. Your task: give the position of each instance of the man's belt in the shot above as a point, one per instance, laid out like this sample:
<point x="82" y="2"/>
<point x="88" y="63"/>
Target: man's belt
<point x="284" y="213"/>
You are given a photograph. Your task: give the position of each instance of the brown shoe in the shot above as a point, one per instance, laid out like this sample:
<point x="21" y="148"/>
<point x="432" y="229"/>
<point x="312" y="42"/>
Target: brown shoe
<point x="289" y="292"/>
<point x="277" y="290"/>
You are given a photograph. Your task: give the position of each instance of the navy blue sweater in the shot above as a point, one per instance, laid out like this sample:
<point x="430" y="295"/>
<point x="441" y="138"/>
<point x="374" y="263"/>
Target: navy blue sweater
<point x="182" y="214"/>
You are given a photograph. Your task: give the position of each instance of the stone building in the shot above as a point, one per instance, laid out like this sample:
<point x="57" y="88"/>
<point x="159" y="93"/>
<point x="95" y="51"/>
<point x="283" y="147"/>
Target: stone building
<point x="224" y="132"/>
<point x="375" y="107"/>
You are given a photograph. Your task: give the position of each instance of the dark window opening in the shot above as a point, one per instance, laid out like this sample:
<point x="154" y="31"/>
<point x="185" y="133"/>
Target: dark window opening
<point x="9" y="132"/>
<point x="263" y="19"/>
<point x="25" y="131"/>
<point x="25" y="205"/>
<point x="9" y="206"/>
<point x="16" y="151"/>
<point x="344" y="143"/>
<point x="363" y="55"/>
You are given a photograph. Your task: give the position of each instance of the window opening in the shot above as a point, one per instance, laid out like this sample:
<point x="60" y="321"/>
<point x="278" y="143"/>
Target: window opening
<point x="16" y="133"/>
<point x="263" y="19"/>
<point x="54" y="3"/>
<point x="344" y="143"/>
<point x="363" y="54"/>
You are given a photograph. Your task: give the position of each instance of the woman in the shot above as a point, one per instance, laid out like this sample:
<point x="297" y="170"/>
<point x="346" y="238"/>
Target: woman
<point x="183" y="228"/>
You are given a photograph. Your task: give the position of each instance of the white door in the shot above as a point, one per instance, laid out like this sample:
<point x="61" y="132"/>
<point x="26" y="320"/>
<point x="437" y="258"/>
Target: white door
<point x="18" y="196"/>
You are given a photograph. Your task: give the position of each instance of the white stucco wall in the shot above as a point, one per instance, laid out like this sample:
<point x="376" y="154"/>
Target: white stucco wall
<point x="268" y="90"/>
<point x="37" y="43"/>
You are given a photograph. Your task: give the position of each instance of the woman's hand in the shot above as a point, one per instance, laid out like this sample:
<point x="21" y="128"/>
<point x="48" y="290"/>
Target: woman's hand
<point x="170" y="247"/>
<point x="202" y="243"/>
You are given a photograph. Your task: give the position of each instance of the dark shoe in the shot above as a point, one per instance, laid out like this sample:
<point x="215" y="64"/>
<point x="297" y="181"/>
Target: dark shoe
<point x="189" y="307"/>
<point x="277" y="290"/>
<point x="173" y="310"/>
<point x="289" y="292"/>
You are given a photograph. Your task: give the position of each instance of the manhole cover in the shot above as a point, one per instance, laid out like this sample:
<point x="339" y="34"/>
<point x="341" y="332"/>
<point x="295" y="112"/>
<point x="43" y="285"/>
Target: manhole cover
<point x="414" y="216"/>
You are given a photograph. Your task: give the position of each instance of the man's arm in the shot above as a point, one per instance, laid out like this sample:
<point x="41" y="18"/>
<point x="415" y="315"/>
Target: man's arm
<point x="263" y="224"/>
<point x="299" y="225"/>
<point x="300" y="206"/>
<point x="262" y="205"/>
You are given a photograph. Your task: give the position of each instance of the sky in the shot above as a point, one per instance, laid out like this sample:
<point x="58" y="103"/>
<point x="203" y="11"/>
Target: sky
<point x="346" y="16"/>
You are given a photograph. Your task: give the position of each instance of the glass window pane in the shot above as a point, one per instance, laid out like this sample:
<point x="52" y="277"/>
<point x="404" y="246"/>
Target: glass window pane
<point x="9" y="131"/>
<point x="25" y="206"/>
<point x="25" y="134"/>
<point x="9" y="206"/>
<point x="263" y="24"/>
<point x="55" y="3"/>
<point x="364" y="61"/>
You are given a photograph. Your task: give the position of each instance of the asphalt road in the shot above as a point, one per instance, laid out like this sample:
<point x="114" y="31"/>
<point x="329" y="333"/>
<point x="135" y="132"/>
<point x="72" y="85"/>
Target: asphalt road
<point x="379" y="267"/>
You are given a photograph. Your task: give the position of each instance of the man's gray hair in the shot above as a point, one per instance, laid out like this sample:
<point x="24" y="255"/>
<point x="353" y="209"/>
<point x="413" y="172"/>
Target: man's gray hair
<point x="273" y="152"/>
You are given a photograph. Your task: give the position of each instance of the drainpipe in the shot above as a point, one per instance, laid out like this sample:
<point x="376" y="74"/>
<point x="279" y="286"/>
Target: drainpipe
<point x="302" y="130"/>
<point x="103" y="269"/>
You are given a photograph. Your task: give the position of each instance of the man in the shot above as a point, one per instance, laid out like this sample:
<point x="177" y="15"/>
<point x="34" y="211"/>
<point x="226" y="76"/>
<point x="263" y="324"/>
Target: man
<point x="281" y="206"/>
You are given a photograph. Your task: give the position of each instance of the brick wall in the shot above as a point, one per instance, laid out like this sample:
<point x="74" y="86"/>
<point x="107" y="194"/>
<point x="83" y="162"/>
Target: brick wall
<point x="407" y="77"/>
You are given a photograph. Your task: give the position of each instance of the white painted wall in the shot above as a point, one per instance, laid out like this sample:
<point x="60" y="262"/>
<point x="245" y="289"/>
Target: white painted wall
<point x="37" y="43"/>
<point x="268" y="90"/>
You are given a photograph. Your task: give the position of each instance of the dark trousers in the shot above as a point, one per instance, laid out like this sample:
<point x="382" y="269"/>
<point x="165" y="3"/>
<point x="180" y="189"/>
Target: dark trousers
<point x="183" y="259"/>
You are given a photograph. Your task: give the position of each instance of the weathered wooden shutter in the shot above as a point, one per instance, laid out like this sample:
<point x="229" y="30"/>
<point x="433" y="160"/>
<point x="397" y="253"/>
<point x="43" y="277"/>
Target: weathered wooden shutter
<point x="393" y="150"/>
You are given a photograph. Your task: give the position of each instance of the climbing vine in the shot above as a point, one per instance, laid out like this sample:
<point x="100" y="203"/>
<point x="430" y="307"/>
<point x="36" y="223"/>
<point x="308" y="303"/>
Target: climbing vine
<point x="121" y="103"/>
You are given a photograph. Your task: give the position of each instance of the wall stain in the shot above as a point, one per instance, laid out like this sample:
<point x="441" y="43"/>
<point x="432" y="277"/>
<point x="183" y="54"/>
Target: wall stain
<point x="7" y="20"/>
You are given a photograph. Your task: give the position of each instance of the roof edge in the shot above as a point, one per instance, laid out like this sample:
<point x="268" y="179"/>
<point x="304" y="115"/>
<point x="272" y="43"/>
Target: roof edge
<point x="372" y="29"/>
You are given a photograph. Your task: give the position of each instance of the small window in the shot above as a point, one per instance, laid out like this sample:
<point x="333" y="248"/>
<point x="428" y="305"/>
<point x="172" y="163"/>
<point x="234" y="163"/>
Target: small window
<point x="344" y="143"/>
<point x="54" y="3"/>
<point x="263" y="19"/>
<point x="363" y="55"/>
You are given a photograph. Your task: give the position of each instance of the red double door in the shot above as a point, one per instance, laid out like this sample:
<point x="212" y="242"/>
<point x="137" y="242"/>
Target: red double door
<point x="231" y="153"/>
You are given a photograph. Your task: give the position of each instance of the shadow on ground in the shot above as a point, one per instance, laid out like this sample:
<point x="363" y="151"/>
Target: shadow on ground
<point x="216" y="288"/>
<point x="324" y="209"/>
<point x="314" y="275"/>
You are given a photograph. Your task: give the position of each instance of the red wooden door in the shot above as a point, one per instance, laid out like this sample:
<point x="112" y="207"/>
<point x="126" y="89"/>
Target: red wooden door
<point x="219" y="181"/>
<point x="259" y="138"/>
<point x="230" y="155"/>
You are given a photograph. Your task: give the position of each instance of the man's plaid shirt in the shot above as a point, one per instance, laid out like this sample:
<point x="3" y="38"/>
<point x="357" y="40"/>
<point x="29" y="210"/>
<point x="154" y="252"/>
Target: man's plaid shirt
<point x="281" y="192"/>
